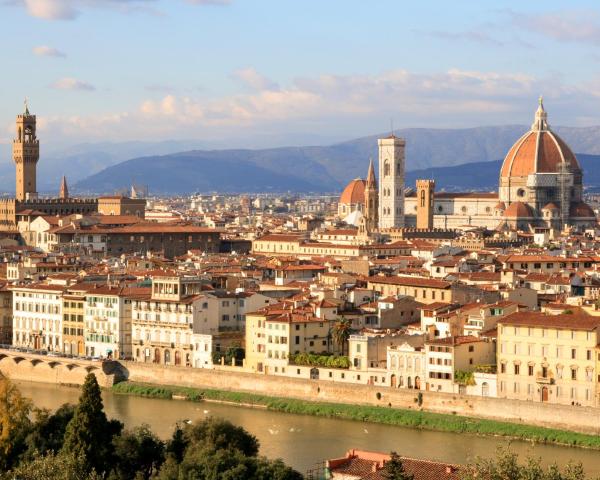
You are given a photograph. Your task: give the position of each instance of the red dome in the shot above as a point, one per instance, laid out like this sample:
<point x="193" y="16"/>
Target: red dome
<point x="518" y="210"/>
<point x="581" y="210"/>
<point x="539" y="151"/>
<point x="354" y="192"/>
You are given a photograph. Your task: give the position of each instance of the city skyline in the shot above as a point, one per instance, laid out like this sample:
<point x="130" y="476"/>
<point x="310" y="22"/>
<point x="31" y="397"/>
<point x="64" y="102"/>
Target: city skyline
<point x="290" y="73"/>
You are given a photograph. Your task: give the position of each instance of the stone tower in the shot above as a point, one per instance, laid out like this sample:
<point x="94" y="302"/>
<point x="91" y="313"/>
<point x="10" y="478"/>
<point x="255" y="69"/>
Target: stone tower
<point x="391" y="182"/>
<point x="26" y="153"/>
<point x="425" y="190"/>
<point x="371" y="212"/>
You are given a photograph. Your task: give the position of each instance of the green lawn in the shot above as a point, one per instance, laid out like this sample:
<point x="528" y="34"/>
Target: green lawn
<point x="384" y="415"/>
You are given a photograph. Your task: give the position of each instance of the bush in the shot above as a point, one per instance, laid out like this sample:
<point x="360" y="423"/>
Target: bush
<point x="312" y="360"/>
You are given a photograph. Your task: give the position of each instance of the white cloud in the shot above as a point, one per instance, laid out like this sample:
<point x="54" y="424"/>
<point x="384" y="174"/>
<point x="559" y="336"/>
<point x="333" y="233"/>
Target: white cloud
<point x="51" y="9"/>
<point x="46" y="51"/>
<point x="342" y="106"/>
<point x="69" y="83"/>
<point x="71" y="9"/>
<point x="250" y="78"/>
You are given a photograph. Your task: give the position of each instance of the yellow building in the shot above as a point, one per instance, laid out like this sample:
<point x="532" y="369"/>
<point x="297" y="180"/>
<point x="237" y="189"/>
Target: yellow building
<point x="274" y="333"/>
<point x="548" y="358"/>
<point x="422" y="289"/>
<point x="73" y="311"/>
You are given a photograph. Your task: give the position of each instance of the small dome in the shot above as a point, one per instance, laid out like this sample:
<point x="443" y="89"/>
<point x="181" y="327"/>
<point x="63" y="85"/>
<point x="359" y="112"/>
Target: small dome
<point x="539" y="151"/>
<point x="581" y="210"/>
<point x="550" y="206"/>
<point x="354" y="192"/>
<point x="500" y="206"/>
<point x="518" y="210"/>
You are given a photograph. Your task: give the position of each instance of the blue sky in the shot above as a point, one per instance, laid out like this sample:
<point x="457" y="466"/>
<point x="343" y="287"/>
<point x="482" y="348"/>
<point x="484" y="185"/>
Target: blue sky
<point x="288" y="71"/>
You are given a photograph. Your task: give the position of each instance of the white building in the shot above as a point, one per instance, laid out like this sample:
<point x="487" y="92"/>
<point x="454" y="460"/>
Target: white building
<point x="107" y="322"/>
<point x="37" y="317"/>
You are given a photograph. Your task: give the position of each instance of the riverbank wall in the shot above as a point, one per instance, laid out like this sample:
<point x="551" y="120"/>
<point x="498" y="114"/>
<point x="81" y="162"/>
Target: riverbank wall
<point x="580" y="419"/>
<point x="565" y="417"/>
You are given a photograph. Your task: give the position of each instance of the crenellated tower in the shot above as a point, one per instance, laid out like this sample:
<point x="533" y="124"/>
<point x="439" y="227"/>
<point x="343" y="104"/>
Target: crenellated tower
<point x="26" y="153"/>
<point x="425" y="191"/>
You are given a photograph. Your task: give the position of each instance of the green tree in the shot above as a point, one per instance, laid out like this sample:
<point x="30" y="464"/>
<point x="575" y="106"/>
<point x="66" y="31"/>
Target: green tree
<point x="506" y="466"/>
<point x="341" y="332"/>
<point x="15" y="422"/>
<point x="138" y="454"/>
<point x="218" y="434"/>
<point x="48" y="431"/>
<point x="394" y="470"/>
<point x="89" y="434"/>
<point x="52" y="467"/>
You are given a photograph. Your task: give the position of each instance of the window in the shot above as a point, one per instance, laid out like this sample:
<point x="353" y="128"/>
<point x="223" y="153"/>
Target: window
<point x="573" y="374"/>
<point x="471" y="348"/>
<point x="503" y="368"/>
<point x="573" y="353"/>
<point x="517" y="369"/>
<point x="530" y="370"/>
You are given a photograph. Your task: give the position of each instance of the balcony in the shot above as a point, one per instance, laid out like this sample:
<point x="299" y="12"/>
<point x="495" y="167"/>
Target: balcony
<point x="546" y="378"/>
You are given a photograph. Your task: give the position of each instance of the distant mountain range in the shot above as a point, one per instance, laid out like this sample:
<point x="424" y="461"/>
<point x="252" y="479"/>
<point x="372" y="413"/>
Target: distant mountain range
<point x="458" y="159"/>
<point x="173" y="167"/>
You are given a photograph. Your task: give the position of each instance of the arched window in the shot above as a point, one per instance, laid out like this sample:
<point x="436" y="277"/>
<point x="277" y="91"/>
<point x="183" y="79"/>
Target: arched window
<point x="422" y="198"/>
<point x="386" y="168"/>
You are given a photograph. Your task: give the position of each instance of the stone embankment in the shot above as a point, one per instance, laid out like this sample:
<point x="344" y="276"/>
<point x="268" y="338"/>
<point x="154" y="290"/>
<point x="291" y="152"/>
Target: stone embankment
<point x="38" y="368"/>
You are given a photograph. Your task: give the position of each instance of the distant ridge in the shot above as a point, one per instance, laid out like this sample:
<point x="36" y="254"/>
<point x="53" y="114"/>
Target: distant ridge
<point x="329" y="168"/>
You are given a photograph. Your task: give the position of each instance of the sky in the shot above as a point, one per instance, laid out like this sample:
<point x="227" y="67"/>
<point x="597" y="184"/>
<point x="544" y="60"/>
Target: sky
<point x="292" y="71"/>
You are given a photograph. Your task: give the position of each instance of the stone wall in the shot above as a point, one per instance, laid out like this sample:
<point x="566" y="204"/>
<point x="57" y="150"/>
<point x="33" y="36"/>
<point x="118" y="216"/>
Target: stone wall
<point x="24" y="366"/>
<point x="583" y="419"/>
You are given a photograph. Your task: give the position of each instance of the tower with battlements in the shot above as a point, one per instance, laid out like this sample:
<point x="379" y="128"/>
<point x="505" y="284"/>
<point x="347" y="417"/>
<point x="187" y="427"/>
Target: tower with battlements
<point x="26" y="153"/>
<point x="425" y="190"/>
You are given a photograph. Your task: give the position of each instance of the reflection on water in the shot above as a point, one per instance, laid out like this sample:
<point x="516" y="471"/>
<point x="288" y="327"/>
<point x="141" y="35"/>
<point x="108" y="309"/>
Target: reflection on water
<point x="302" y="441"/>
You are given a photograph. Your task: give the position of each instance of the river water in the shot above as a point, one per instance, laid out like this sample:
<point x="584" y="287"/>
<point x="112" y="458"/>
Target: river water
<point x="301" y="440"/>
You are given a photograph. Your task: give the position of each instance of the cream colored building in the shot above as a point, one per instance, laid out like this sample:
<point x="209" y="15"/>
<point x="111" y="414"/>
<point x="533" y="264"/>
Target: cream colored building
<point x="163" y="321"/>
<point x="548" y="358"/>
<point x="107" y="322"/>
<point x="37" y="317"/>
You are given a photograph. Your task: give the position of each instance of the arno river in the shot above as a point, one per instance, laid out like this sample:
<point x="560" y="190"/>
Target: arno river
<point x="302" y="441"/>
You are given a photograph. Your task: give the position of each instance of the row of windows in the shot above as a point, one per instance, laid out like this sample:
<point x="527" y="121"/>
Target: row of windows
<point x="573" y="393"/>
<point x="544" y="372"/>
<point x="37" y="307"/>
<point x="545" y="332"/>
<point x="546" y="351"/>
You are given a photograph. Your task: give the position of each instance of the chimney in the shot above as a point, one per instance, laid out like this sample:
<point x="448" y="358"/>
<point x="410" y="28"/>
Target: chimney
<point x="449" y="469"/>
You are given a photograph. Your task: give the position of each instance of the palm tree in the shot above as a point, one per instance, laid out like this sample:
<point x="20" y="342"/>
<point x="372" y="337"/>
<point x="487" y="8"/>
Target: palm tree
<point x="341" y="332"/>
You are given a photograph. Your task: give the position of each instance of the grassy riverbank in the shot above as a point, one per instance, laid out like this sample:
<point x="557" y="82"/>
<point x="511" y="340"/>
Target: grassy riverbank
<point x="383" y="415"/>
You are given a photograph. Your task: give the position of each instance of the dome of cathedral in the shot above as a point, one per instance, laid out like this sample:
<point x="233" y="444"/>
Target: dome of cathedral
<point x="581" y="210"/>
<point x="539" y="151"/>
<point x="354" y="192"/>
<point x="518" y="210"/>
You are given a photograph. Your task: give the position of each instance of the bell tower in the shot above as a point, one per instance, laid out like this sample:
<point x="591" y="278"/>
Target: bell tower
<point x="391" y="182"/>
<point x="26" y="153"/>
<point x="425" y="189"/>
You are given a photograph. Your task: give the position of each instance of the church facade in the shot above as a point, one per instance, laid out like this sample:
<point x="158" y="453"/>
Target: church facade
<point x="540" y="185"/>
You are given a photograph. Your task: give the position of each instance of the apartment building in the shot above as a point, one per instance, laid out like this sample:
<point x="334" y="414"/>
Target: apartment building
<point x="73" y="307"/>
<point x="446" y="356"/>
<point x="548" y="358"/>
<point x="37" y="316"/>
<point x="163" y="320"/>
<point x="273" y="333"/>
<point x="108" y="321"/>
<point x="422" y="289"/>
<point x="406" y="362"/>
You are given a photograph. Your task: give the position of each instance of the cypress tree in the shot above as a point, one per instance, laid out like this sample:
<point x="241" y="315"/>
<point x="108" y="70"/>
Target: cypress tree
<point x="89" y="433"/>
